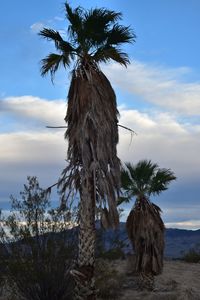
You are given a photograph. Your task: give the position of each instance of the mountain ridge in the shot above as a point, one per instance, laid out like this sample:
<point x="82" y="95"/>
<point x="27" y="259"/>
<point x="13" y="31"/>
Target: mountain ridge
<point x="177" y="241"/>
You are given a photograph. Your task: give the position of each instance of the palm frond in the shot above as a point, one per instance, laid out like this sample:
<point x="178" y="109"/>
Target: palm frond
<point x="96" y="24"/>
<point x="103" y="17"/>
<point x="141" y="175"/>
<point x="120" y="34"/>
<point x="52" y="62"/>
<point x="51" y="35"/>
<point x="122" y="200"/>
<point x="144" y="170"/>
<point x="161" y="180"/>
<point x="92" y="152"/>
<point x="104" y="54"/>
<point x="55" y="36"/>
<point x="145" y="178"/>
<point x="125" y="179"/>
<point x="75" y="18"/>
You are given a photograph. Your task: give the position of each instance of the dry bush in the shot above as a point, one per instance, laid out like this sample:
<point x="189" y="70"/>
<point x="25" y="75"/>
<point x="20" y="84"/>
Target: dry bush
<point x="36" y="249"/>
<point x="108" y="280"/>
<point x="192" y="256"/>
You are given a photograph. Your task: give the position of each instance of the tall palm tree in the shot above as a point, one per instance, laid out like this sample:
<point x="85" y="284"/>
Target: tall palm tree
<point x="93" y="168"/>
<point x="145" y="227"/>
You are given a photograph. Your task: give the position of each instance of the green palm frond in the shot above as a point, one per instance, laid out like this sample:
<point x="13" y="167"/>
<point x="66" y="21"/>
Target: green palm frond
<point x="96" y="24"/>
<point x="75" y="18"/>
<point x="123" y="200"/>
<point x="94" y="35"/>
<point x="161" y="180"/>
<point x="101" y="16"/>
<point x="120" y="34"/>
<point x="106" y="53"/>
<point x="55" y="36"/>
<point x="52" y="62"/>
<point x="145" y="178"/>
<point x="51" y="35"/>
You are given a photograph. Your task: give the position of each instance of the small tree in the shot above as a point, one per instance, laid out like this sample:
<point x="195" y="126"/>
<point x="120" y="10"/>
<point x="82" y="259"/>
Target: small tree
<point x="36" y="249"/>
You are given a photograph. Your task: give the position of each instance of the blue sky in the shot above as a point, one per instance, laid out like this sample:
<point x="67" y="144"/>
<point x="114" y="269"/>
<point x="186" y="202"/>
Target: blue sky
<point x="158" y="96"/>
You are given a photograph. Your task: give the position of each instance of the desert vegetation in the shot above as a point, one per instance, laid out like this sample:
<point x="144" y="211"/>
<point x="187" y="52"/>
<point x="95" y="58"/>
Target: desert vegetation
<point x="38" y="254"/>
<point x="36" y="249"/>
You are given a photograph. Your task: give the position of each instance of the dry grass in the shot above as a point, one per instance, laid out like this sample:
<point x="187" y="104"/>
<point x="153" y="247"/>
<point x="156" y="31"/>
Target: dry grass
<point x="179" y="281"/>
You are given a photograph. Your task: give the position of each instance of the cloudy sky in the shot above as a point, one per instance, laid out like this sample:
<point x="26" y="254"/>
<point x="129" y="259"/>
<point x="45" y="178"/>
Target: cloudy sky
<point x="158" y="97"/>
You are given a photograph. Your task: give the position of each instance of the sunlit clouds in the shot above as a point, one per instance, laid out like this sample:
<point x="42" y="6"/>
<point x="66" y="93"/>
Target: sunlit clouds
<point x="29" y="148"/>
<point x="164" y="87"/>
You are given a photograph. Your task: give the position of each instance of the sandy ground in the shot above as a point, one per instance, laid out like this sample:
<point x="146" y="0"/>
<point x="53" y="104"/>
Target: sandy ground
<point x="179" y="281"/>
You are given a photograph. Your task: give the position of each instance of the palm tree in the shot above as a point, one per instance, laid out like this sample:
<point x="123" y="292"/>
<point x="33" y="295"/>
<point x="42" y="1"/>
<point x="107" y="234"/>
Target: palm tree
<point x="93" y="168"/>
<point x="144" y="225"/>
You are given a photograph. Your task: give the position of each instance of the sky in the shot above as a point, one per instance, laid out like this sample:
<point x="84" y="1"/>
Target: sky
<point x="158" y="96"/>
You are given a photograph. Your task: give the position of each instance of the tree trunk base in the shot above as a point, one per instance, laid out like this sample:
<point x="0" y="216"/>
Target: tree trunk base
<point x="146" y="281"/>
<point x="84" y="283"/>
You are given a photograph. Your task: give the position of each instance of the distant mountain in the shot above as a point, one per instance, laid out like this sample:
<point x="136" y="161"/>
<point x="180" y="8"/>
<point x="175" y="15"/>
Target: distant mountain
<point x="177" y="241"/>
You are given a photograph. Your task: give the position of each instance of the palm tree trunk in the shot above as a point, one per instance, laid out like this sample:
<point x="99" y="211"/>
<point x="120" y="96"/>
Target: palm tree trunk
<point x="146" y="281"/>
<point x="84" y="274"/>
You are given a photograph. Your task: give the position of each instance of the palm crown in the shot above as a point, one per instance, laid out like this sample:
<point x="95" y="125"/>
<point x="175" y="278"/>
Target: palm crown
<point x="145" y="179"/>
<point x="94" y="37"/>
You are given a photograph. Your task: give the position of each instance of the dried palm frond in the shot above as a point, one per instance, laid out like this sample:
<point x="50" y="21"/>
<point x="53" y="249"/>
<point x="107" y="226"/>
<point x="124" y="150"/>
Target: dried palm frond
<point x="146" y="231"/>
<point x="92" y="134"/>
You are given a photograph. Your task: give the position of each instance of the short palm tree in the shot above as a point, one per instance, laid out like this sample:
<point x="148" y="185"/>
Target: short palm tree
<point x="145" y="227"/>
<point x="93" y="168"/>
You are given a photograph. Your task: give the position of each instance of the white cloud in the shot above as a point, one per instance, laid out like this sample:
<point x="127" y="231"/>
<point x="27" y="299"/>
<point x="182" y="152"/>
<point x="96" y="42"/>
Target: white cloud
<point x="34" y="108"/>
<point x="158" y="85"/>
<point x="36" y="150"/>
<point x="190" y="224"/>
<point x="36" y="27"/>
<point x="163" y="139"/>
<point x="160" y="136"/>
<point x="31" y="147"/>
<point x="40" y="154"/>
<point x="56" y="18"/>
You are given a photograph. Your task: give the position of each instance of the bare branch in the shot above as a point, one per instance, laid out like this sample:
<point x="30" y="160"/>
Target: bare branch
<point x="127" y="128"/>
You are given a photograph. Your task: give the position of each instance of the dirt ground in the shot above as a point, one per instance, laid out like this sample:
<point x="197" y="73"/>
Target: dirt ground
<point x="179" y="281"/>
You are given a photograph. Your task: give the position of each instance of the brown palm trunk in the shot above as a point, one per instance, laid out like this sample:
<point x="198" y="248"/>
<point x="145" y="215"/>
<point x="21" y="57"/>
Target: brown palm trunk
<point x="84" y="275"/>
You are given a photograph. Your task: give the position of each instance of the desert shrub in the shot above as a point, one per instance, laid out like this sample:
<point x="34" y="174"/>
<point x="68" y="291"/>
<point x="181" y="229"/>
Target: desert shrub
<point x="40" y="273"/>
<point x="192" y="256"/>
<point x="112" y="254"/>
<point x="108" y="280"/>
<point x="109" y="247"/>
<point x="37" y="249"/>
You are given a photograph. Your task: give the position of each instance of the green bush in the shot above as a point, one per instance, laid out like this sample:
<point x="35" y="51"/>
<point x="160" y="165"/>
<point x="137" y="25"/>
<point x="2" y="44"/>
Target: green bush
<point x="37" y="250"/>
<point x="192" y="256"/>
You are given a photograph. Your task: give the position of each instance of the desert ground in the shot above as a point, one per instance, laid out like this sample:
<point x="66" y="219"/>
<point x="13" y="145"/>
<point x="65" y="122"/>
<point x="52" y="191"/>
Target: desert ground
<point x="179" y="281"/>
